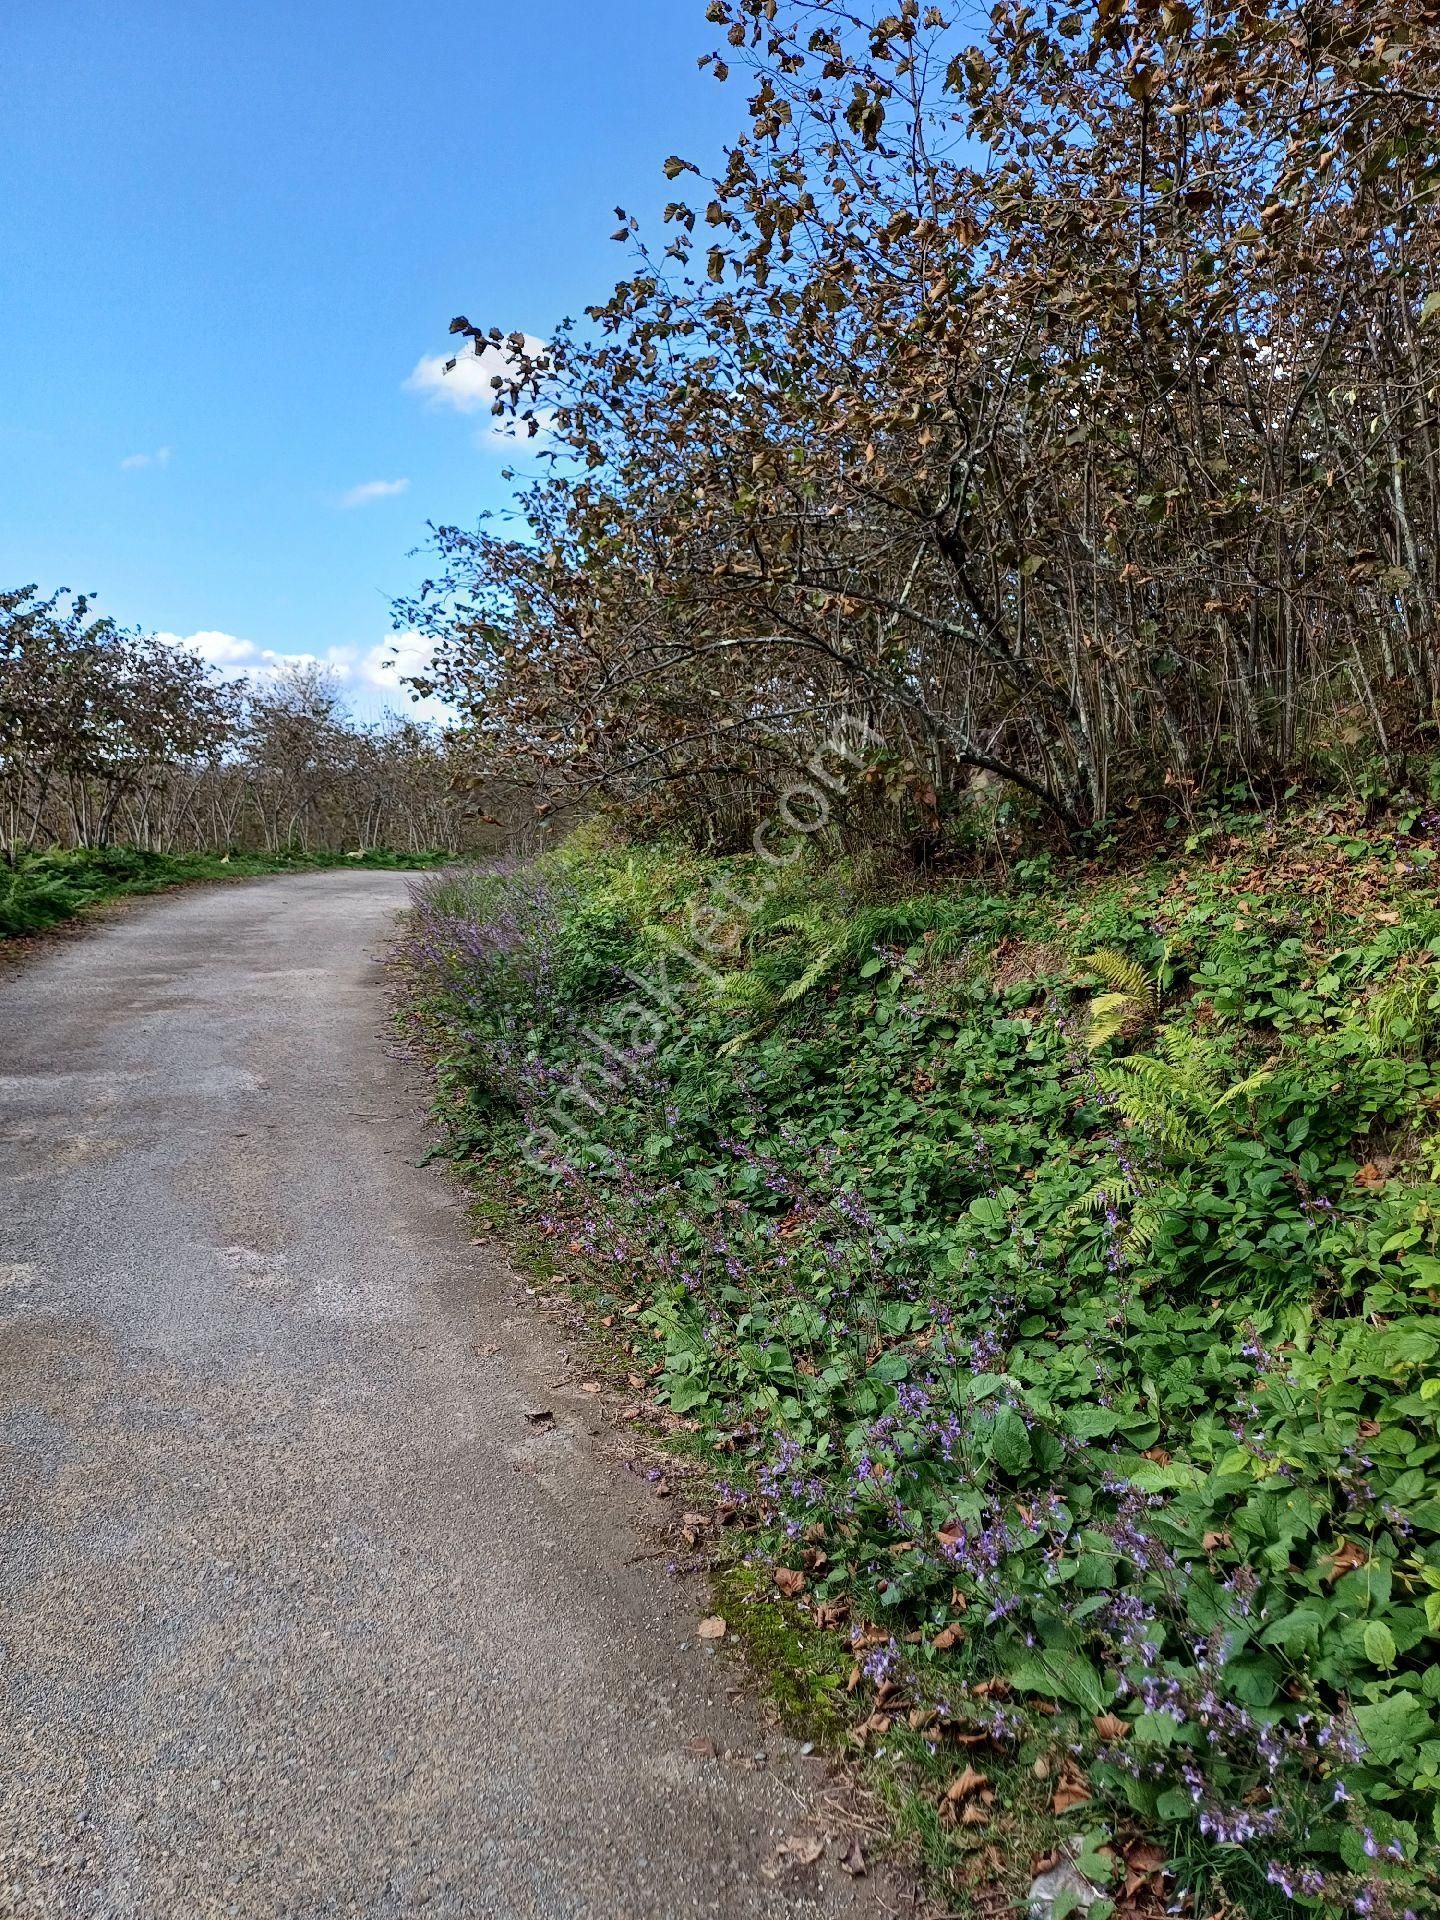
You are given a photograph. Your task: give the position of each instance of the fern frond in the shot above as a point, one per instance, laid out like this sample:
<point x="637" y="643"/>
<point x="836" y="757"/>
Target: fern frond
<point x="1133" y="995"/>
<point x="1110" y="1013"/>
<point x="1145" y="1223"/>
<point x="1123" y="974"/>
<point x="811" y="925"/>
<point x="812" y="976"/>
<point x="1106" y="1193"/>
<point x="744" y="988"/>
<point x="1155" y="1098"/>
<point x="1242" y="1089"/>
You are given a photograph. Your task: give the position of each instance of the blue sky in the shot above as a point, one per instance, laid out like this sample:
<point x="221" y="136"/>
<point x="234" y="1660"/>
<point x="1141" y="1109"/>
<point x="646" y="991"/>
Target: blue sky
<point x="232" y="233"/>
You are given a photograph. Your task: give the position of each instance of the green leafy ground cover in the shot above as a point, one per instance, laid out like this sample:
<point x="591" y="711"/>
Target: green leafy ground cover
<point x="1049" y="1273"/>
<point x="46" y="888"/>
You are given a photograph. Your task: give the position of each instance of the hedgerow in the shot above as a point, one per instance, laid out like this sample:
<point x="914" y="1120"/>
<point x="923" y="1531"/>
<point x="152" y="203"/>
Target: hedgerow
<point x="1052" y="1272"/>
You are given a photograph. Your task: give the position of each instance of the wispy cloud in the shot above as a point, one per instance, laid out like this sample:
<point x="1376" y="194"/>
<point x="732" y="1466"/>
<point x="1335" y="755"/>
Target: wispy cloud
<point x="466" y="386"/>
<point x="370" y="490"/>
<point x="134" y="461"/>
<point x="372" y="675"/>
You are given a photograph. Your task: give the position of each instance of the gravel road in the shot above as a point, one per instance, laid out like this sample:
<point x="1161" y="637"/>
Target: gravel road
<point x="298" y="1615"/>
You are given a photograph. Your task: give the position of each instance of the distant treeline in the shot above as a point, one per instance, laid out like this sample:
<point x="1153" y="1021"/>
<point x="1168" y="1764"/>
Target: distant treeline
<point x="109" y="737"/>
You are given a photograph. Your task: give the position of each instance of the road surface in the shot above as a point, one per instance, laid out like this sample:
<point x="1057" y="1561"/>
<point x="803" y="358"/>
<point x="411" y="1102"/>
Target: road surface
<point x="299" y="1617"/>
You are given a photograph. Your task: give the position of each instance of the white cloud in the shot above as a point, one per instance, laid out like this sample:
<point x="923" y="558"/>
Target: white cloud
<point x="372" y="677"/>
<point x="220" y="649"/>
<point x="159" y="458"/>
<point x="466" y="387"/>
<point x="385" y="666"/>
<point x="369" y="490"/>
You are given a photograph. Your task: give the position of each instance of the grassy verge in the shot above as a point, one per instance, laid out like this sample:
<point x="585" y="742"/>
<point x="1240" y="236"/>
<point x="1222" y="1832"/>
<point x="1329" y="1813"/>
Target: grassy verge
<point x="46" y="888"/>
<point x="1049" y="1273"/>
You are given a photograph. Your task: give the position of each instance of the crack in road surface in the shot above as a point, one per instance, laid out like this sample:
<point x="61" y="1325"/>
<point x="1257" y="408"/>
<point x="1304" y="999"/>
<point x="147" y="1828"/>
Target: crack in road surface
<point x="298" y="1618"/>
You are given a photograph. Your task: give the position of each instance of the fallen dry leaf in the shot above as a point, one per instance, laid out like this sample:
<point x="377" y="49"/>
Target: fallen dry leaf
<point x="965" y="1784"/>
<point x="1344" y="1559"/>
<point x="702" y="1747"/>
<point x="1211" y="1541"/>
<point x="800" y="1850"/>
<point x="853" y="1860"/>
<point x="712" y="1627"/>
<point x="878" y="1724"/>
<point x="1073" y="1791"/>
<point x="1144" y="1868"/>
<point x="1110" y="1726"/>
<point x="790" y="1583"/>
<point x="948" y="1637"/>
<point x="1145" y="1856"/>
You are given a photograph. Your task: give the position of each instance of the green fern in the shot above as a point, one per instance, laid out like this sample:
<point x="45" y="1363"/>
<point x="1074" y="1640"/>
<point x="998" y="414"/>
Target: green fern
<point x="1182" y="1111"/>
<point x="745" y="989"/>
<point x="1175" y="1099"/>
<point x="1134" y="995"/>
<point x="1144" y="1212"/>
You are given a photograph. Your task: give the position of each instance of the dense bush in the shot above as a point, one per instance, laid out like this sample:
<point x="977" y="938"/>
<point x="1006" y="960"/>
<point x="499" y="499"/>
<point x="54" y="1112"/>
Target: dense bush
<point x="1053" y="1272"/>
<point x="1047" y="386"/>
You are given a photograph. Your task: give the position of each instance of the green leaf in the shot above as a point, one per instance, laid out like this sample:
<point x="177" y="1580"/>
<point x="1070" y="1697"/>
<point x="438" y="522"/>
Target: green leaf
<point x="1296" y="1632"/>
<point x="685" y="1395"/>
<point x="1380" y="1645"/>
<point x="1091" y="1423"/>
<point x="1391" y="1726"/>
<point x="1061" y="1676"/>
<point x="1011" y="1445"/>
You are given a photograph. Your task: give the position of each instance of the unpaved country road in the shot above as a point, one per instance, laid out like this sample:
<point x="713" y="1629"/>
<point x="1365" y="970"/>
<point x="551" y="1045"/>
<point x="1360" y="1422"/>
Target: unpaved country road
<point x="297" y="1616"/>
